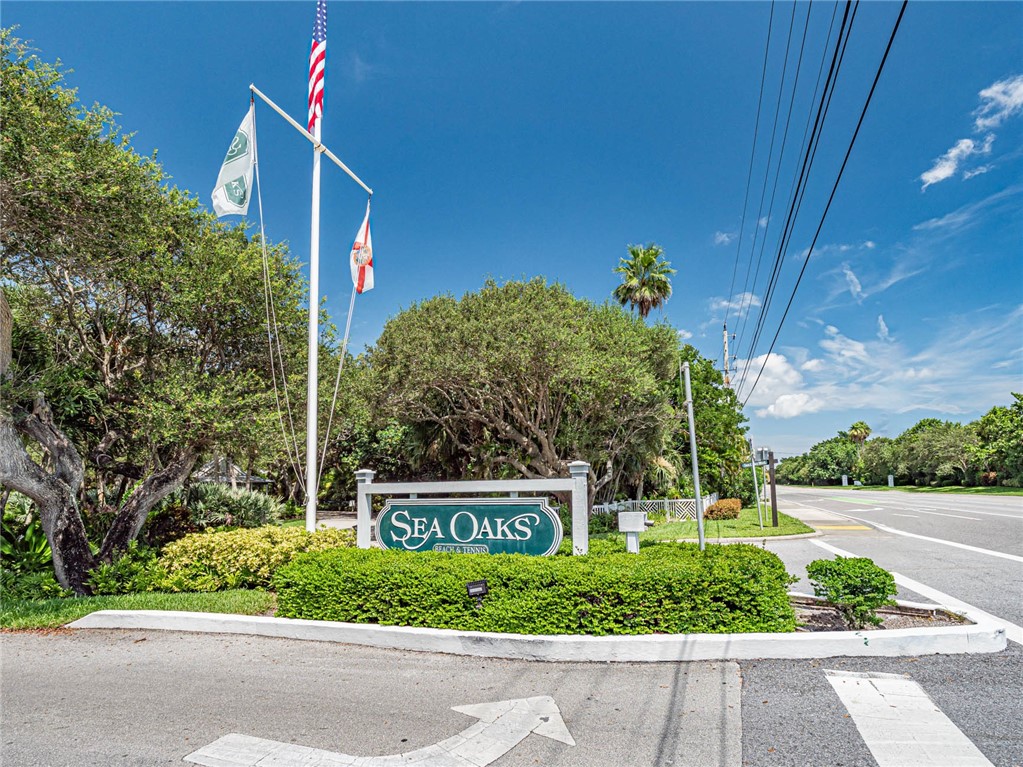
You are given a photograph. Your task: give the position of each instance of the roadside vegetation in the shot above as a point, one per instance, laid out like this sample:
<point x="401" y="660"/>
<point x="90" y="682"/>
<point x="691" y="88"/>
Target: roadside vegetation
<point x="985" y="455"/>
<point x="948" y="489"/>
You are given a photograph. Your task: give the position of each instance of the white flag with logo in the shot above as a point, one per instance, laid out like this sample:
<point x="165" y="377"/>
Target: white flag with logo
<point x="362" y="257"/>
<point x="234" y="184"/>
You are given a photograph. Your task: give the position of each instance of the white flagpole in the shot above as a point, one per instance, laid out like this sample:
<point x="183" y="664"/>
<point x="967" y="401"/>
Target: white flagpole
<point x="311" y="446"/>
<point x="314" y="348"/>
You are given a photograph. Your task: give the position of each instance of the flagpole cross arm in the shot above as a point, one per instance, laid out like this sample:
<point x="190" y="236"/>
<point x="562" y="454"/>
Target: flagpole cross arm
<point x="317" y="145"/>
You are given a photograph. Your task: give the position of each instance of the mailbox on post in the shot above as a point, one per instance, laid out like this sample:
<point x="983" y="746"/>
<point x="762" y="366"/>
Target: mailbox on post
<point x="632" y="523"/>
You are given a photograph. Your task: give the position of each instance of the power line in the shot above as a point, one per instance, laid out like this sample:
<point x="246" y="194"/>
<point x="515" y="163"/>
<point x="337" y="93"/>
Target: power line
<point x="749" y="173"/>
<point x="801" y="187"/>
<point x="803" y="175"/>
<point x="834" y="189"/>
<point x="767" y="166"/>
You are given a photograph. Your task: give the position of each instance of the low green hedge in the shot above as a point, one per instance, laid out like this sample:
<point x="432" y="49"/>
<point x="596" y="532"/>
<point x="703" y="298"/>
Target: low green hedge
<point x="232" y="559"/>
<point x="666" y="588"/>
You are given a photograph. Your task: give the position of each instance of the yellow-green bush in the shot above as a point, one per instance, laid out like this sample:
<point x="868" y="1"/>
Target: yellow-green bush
<point x="726" y="508"/>
<point x="231" y="559"/>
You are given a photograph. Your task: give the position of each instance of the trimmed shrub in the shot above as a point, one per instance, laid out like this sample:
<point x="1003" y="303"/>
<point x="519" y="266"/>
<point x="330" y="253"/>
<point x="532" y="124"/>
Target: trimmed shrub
<point x="232" y="559"/>
<point x="726" y="508"/>
<point x="667" y="588"/>
<point x="855" y="585"/>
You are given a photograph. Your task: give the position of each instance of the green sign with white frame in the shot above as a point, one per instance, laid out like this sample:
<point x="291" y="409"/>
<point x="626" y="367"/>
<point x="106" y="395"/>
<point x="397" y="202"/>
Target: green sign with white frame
<point x="470" y="525"/>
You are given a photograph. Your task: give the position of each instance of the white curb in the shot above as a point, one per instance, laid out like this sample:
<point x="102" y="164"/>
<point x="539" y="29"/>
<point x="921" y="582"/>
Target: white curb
<point x="982" y="637"/>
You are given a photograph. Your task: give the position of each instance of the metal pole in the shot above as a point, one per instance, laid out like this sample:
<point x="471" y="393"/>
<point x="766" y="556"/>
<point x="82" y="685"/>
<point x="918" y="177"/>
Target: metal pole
<point x="696" y="464"/>
<point x="774" y="491"/>
<point x="317" y="146"/>
<point x="756" y="490"/>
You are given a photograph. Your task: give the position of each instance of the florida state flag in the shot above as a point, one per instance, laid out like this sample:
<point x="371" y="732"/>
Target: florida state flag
<point x="362" y="257"/>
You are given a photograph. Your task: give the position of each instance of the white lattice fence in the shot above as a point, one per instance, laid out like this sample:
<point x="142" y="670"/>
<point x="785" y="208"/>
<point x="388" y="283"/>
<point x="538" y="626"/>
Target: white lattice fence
<point x="680" y="508"/>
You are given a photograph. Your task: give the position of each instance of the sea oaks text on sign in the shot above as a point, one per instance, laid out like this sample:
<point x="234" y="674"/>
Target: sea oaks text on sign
<point x="471" y="525"/>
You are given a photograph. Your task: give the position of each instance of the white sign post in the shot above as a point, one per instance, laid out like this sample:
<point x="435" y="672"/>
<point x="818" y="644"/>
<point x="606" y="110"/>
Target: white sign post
<point x="366" y="488"/>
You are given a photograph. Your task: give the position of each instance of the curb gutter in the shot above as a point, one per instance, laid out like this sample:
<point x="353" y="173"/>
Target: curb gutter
<point x="981" y="637"/>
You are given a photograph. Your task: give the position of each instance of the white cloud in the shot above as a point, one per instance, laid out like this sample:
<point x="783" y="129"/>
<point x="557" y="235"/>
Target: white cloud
<point x="999" y="101"/>
<point x="977" y="171"/>
<point x="969" y="364"/>
<point x="843" y="349"/>
<point x="946" y="166"/>
<point x="870" y="244"/>
<point x="855" y="289"/>
<point x="358" y="69"/>
<point x="791" y="405"/>
<point x="740" y="304"/>
<point x="764" y="221"/>
<point x="960" y="217"/>
<point x="684" y="335"/>
<point x="723" y="238"/>
<point x="882" y="329"/>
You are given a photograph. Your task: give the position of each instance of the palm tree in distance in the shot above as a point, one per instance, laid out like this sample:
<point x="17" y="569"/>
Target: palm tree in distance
<point x="646" y="278"/>
<point x="859" y="432"/>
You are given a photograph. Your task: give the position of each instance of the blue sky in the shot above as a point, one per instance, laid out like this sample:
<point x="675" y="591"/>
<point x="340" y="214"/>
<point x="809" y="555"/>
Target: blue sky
<point x="508" y="140"/>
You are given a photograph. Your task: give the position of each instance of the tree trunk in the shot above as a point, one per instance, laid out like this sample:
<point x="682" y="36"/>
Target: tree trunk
<point x="157" y="486"/>
<point x="54" y="492"/>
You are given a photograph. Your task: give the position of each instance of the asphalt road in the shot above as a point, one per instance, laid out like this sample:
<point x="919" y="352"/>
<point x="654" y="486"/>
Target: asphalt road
<point x="151" y="698"/>
<point x="975" y="551"/>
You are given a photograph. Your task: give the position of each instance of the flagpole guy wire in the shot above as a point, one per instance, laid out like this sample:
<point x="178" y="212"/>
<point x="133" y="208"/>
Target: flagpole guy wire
<point x="272" y="329"/>
<point x="337" y="387"/>
<point x="317" y="144"/>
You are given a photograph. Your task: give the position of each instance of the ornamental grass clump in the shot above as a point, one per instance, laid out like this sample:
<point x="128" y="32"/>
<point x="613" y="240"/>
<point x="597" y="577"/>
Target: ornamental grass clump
<point x="667" y="588"/>
<point x="231" y="559"/>
<point x="854" y="585"/>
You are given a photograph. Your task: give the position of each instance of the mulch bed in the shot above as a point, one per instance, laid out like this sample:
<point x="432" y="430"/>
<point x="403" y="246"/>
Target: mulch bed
<point x="819" y="616"/>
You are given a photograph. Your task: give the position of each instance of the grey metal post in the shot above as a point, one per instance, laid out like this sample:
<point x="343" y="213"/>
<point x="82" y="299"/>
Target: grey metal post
<point x="774" y="490"/>
<point x="580" y="473"/>
<point x="696" y="464"/>
<point x="363" y="478"/>
<point x="756" y="490"/>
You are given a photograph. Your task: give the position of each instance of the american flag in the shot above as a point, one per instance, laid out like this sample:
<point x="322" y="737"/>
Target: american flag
<point x="317" y="61"/>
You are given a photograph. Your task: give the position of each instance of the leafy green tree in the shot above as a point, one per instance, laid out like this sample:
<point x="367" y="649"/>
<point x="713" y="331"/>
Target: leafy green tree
<point x="140" y="344"/>
<point x="522" y="378"/>
<point x="876" y="460"/>
<point x="827" y="461"/>
<point x="1000" y="442"/>
<point x="646" y="278"/>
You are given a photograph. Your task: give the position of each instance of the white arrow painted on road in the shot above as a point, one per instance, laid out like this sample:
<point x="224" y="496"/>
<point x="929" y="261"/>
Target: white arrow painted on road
<point x="502" y="726"/>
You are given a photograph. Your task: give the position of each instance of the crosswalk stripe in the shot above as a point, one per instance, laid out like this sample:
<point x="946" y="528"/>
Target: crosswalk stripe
<point x="900" y="724"/>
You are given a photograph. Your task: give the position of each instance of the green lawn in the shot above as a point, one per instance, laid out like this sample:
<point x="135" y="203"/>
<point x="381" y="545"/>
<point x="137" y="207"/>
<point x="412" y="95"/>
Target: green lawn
<point x="49" y="613"/>
<point x="955" y="490"/>
<point x="746" y="526"/>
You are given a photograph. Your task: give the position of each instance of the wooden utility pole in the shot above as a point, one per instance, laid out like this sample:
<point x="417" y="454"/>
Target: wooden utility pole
<point x="727" y="376"/>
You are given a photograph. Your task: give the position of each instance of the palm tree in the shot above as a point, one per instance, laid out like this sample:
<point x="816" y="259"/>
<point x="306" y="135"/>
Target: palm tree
<point x="859" y="432"/>
<point x="646" y="278"/>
